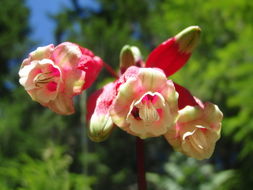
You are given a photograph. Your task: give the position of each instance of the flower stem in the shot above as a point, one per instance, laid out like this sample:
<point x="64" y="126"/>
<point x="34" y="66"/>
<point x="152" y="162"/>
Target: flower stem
<point x="142" y="184"/>
<point x="110" y="70"/>
<point x="84" y="140"/>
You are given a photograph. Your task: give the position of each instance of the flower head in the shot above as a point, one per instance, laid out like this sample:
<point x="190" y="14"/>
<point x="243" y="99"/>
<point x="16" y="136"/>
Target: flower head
<point x="196" y="131"/>
<point x="42" y="80"/>
<point x="197" y="128"/>
<point x="53" y="75"/>
<point x="146" y="103"/>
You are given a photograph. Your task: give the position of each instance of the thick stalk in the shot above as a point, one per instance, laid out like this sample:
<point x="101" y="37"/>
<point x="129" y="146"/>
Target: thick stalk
<point x="142" y="184"/>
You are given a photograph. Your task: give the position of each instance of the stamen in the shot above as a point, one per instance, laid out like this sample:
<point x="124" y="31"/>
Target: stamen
<point x="43" y="78"/>
<point x="149" y="113"/>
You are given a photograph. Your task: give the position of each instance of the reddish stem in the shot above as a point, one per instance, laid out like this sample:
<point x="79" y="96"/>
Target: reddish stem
<point x="142" y="185"/>
<point x="110" y="70"/>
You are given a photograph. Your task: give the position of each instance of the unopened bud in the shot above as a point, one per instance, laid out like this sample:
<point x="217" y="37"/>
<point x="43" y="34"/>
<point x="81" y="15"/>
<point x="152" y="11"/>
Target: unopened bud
<point x="188" y="39"/>
<point x="100" y="127"/>
<point x="129" y="56"/>
<point x="98" y="106"/>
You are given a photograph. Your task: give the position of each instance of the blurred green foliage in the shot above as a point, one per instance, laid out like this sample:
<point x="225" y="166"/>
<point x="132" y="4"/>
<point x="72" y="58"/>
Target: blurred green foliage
<point x="42" y="150"/>
<point x="184" y="173"/>
<point x="49" y="172"/>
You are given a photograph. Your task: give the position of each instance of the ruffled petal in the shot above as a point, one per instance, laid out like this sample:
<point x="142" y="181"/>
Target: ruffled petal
<point x="44" y="52"/>
<point x="79" y="66"/>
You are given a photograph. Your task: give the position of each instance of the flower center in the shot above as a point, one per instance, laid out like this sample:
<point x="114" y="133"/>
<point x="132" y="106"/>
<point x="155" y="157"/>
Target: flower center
<point x="146" y="108"/>
<point x="43" y="78"/>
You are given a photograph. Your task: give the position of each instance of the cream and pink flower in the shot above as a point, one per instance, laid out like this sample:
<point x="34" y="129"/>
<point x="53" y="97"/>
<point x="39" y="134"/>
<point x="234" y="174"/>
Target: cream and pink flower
<point x="146" y="103"/>
<point x="53" y="75"/>
<point x="197" y="128"/>
<point x="42" y="80"/>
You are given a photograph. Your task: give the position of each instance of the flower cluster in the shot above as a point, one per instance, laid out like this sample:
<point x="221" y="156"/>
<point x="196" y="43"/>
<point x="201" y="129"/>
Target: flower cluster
<point x="142" y="101"/>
